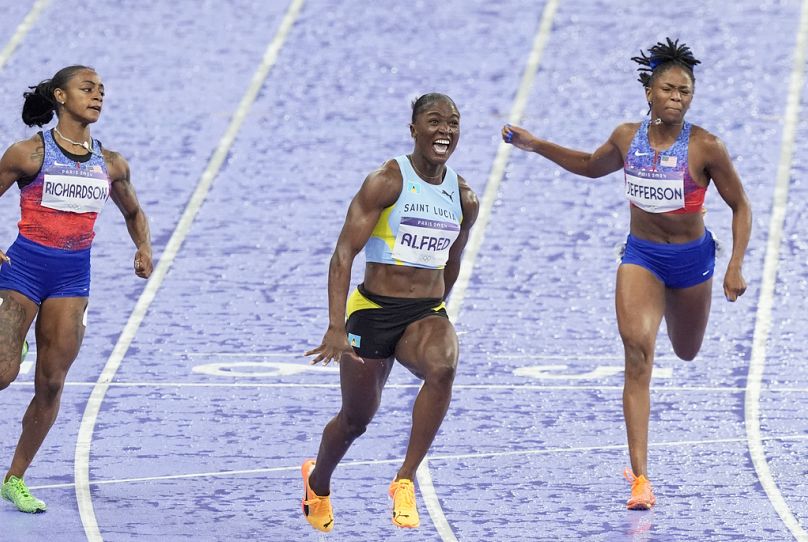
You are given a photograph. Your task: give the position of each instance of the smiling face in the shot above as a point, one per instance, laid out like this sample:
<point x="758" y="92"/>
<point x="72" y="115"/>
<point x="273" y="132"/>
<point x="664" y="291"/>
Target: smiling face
<point x="82" y="96"/>
<point x="670" y="94"/>
<point x="436" y="131"/>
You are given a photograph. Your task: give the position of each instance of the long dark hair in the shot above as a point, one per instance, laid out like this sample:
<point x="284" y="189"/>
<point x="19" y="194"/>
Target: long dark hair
<point x="40" y="105"/>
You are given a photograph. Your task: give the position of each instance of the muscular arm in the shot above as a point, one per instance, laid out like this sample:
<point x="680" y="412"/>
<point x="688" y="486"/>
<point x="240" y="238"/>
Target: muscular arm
<point x="379" y="190"/>
<point x="471" y="207"/>
<point x="123" y="194"/>
<point x="608" y="158"/>
<point x="720" y="169"/>
<point x="22" y="160"/>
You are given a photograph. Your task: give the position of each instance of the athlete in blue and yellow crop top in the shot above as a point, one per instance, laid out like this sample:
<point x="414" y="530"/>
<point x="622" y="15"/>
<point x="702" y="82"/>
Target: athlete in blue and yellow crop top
<point x="420" y="227"/>
<point x="412" y="217"/>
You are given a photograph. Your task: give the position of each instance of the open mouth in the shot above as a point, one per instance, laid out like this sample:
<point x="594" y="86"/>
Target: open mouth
<point x="441" y="146"/>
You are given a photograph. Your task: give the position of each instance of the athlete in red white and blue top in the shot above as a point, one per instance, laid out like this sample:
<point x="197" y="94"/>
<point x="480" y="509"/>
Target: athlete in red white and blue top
<point x="65" y="177"/>
<point x="667" y="268"/>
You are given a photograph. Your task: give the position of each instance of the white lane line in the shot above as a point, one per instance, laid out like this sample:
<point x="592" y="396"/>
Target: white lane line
<point x="763" y="322"/>
<point x="84" y="440"/>
<point x="486" y="387"/>
<point x="441" y="457"/>
<point x="23" y="28"/>
<point x="423" y="475"/>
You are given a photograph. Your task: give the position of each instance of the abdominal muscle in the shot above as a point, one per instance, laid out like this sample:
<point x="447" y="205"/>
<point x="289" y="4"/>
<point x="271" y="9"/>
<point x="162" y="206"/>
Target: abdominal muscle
<point x="403" y="281"/>
<point x="666" y="228"/>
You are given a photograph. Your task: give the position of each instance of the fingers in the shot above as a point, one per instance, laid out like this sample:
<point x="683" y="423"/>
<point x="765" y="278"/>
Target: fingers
<point x="325" y="356"/>
<point x="732" y="294"/>
<point x="507" y="134"/>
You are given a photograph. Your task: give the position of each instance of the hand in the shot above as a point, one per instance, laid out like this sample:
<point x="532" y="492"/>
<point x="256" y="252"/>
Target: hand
<point x="143" y="263"/>
<point x="4" y="258"/>
<point x="518" y="137"/>
<point x="734" y="283"/>
<point x="334" y="347"/>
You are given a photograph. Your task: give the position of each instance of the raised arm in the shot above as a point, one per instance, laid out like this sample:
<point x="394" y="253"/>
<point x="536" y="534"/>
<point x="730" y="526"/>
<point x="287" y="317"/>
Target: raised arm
<point x="471" y="207"/>
<point x="608" y="158"/>
<point x="123" y="194"/>
<point x="720" y="169"/>
<point x="379" y="190"/>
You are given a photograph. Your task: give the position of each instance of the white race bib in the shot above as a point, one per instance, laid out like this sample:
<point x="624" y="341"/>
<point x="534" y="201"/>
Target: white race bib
<point x="655" y="191"/>
<point x="424" y="242"/>
<point x="74" y="194"/>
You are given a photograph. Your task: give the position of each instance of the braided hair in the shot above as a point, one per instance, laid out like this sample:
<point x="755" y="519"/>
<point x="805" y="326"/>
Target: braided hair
<point x="663" y="56"/>
<point x="40" y="105"/>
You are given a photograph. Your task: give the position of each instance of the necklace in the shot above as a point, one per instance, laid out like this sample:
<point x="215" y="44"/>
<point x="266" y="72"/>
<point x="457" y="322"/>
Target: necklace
<point x="412" y="163"/>
<point x="84" y="145"/>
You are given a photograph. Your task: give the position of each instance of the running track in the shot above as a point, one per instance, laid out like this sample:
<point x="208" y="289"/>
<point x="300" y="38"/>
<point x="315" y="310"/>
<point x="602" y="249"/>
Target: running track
<point x="248" y="128"/>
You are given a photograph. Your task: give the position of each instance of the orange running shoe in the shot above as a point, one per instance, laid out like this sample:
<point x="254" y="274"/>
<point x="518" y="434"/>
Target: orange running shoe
<point x="642" y="494"/>
<point x="405" y="513"/>
<point x="317" y="509"/>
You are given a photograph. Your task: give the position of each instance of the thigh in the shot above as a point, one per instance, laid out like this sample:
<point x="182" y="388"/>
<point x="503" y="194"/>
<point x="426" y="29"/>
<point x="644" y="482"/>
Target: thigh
<point x="361" y="385"/>
<point x="59" y="332"/>
<point x="640" y="304"/>
<point x="16" y="314"/>
<point x="687" y="311"/>
<point x="427" y="344"/>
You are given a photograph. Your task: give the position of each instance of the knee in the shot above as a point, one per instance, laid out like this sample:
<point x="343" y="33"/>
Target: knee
<point x="354" y="426"/>
<point x="639" y="358"/>
<point x="9" y="374"/>
<point x="441" y="373"/>
<point x="686" y="353"/>
<point x="49" y="387"/>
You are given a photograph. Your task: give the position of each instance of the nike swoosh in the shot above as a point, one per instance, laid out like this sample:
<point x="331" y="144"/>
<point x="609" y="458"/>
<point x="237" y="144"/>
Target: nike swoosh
<point x="705" y="273"/>
<point x="638" y="153"/>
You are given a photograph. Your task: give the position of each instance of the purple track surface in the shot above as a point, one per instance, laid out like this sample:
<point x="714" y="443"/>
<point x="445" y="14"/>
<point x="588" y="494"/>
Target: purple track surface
<point x="202" y="431"/>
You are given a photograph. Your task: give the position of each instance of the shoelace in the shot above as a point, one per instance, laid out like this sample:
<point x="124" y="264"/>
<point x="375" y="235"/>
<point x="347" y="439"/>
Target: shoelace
<point x="629" y="475"/>
<point x="408" y="496"/>
<point x="20" y="488"/>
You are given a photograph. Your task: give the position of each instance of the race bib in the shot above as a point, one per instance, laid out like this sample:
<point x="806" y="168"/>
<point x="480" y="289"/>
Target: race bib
<point x="425" y="242"/>
<point x="655" y="191"/>
<point x="74" y="194"/>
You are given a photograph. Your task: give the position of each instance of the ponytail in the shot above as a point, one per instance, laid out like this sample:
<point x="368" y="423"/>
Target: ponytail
<point x="40" y="105"/>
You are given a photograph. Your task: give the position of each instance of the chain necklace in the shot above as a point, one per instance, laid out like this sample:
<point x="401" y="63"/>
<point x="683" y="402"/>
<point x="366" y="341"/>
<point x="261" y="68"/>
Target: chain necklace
<point x="86" y="145"/>
<point x="412" y="163"/>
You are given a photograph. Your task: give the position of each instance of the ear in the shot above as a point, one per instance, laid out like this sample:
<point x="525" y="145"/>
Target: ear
<point x="648" y="95"/>
<point x="60" y="95"/>
<point x="412" y="130"/>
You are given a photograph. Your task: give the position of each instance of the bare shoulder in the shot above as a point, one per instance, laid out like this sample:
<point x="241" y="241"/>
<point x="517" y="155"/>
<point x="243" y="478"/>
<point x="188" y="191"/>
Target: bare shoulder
<point x="25" y="157"/>
<point x="469" y="201"/>
<point x="707" y="144"/>
<point x="117" y="166"/>
<point x="624" y="133"/>
<point x="622" y="136"/>
<point x="382" y="186"/>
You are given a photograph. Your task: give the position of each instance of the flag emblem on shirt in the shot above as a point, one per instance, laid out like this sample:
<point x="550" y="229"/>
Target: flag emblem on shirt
<point x="413" y="188"/>
<point x="668" y="161"/>
<point x="355" y="340"/>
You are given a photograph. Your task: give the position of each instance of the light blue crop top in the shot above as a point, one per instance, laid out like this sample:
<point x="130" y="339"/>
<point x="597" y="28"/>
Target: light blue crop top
<point x="419" y="228"/>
